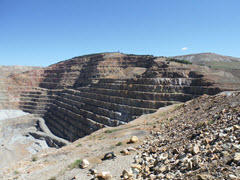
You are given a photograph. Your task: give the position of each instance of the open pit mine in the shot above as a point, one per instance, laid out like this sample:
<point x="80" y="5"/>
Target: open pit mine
<point x="58" y="104"/>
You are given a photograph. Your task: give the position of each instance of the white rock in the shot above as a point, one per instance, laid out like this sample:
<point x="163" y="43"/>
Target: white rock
<point x="131" y="149"/>
<point x="162" y="169"/>
<point x="125" y="152"/>
<point x="133" y="139"/>
<point x="236" y="127"/>
<point x="236" y="157"/>
<point x="104" y="175"/>
<point x="195" y="149"/>
<point x="236" y="146"/>
<point x="152" y="176"/>
<point x="233" y="177"/>
<point x="163" y="156"/>
<point x="127" y="174"/>
<point x="85" y="163"/>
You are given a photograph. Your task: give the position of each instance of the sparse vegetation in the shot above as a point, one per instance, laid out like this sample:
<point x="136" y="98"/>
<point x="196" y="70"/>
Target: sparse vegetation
<point x="112" y="130"/>
<point x="119" y="144"/>
<point x="53" y="178"/>
<point x="179" y="61"/>
<point x="223" y="65"/>
<point x="34" y="158"/>
<point x="101" y="138"/>
<point x="118" y="129"/>
<point x="92" y="136"/>
<point x="211" y="121"/>
<point x="108" y="131"/>
<point x="79" y="145"/>
<point x="16" y="172"/>
<point x="201" y="124"/>
<point x="75" y="164"/>
<point x="178" y="106"/>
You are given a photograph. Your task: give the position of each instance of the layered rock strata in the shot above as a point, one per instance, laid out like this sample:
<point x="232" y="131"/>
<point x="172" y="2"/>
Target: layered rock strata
<point x="81" y="95"/>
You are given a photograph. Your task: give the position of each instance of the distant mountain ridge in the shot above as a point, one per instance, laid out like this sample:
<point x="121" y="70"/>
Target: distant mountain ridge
<point x="207" y="57"/>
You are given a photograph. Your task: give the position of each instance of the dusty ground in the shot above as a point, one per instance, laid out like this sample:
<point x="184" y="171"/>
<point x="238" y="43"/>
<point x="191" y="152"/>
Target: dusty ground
<point x="55" y="163"/>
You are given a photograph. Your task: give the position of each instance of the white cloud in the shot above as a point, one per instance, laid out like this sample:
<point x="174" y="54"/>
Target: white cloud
<point x="184" y="48"/>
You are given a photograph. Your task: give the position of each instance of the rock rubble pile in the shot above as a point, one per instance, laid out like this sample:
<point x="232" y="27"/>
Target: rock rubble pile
<point x="200" y="141"/>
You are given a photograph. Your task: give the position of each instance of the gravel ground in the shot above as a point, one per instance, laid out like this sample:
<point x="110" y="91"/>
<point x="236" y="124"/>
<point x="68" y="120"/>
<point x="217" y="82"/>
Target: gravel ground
<point x="115" y="167"/>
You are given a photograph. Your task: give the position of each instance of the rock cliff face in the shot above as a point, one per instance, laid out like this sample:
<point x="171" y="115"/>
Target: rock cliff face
<point x="14" y="80"/>
<point x="81" y="95"/>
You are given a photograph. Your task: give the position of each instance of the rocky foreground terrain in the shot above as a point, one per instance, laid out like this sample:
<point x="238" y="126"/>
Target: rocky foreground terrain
<point x="199" y="140"/>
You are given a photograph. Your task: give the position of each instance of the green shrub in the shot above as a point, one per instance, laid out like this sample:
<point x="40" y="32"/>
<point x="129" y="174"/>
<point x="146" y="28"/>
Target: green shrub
<point x="119" y="144"/>
<point x="79" y="145"/>
<point x="34" y="158"/>
<point x="112" y="130"/>
<point x="201" y="124"/>
<point x="16" y="172"/>
<point x="179" y="61"/>
<point x="75" y="164"/>
<point x="108" y="131"/>
<point x="53" y="178"/>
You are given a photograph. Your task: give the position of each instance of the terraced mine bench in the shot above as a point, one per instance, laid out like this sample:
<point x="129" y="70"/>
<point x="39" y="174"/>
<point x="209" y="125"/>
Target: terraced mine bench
<point x="81" y="95"/>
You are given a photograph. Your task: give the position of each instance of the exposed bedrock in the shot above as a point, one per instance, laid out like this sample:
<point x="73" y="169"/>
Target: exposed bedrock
<point x="81" y="95"/>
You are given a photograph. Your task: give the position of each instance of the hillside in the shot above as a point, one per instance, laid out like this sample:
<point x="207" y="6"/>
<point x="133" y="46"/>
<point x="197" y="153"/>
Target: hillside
<point x="7" y="70"/>
<point x="80" y="97"/>
<point x="90" y="92"/>
<point x="214" y="61"/>
<point x="207" y="57"/>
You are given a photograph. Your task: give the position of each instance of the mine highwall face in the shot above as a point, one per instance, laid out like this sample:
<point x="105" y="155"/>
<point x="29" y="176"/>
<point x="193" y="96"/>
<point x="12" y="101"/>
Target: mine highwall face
<point x="84" y="94"/>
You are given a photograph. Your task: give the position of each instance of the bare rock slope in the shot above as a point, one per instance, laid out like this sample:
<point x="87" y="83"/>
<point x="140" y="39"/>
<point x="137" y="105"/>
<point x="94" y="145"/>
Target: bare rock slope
<point x="81" y="95"/>
<point x="214" y="61"/>
<point x="207" y="57"/>
<point x="200" y="140"/>
<point x="195" y="140"/>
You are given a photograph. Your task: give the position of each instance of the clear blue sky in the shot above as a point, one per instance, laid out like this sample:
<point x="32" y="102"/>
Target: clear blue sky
<point x="43" y="32"/>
